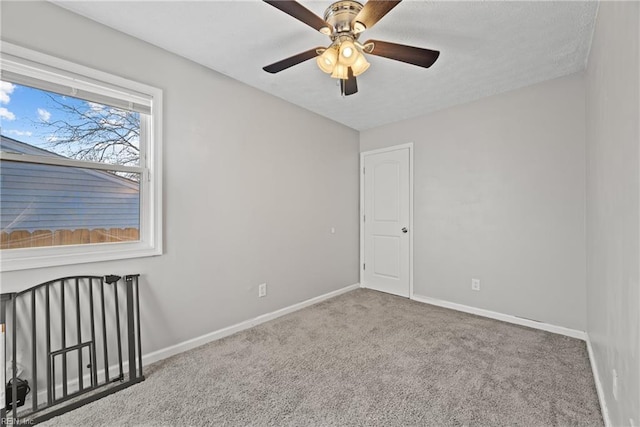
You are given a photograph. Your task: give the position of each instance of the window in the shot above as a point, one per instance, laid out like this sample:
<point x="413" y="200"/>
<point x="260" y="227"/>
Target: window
<point x="80" y="163"/>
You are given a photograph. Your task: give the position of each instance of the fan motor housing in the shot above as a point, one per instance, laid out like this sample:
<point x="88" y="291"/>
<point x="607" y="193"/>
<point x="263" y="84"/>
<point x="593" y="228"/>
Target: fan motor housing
<point x="341" y="14"/>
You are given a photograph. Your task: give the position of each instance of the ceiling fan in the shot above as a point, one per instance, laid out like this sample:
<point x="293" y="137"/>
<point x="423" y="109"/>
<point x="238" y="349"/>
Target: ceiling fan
<point x="345" y="59"/>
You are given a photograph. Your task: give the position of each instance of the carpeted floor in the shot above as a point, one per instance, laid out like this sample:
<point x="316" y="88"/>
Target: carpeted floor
<point x="364" y="359"/>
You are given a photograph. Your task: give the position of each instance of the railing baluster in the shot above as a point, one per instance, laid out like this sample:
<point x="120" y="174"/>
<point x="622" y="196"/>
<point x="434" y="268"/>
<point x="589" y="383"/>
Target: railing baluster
<point x="64" y="338"/>
<point x="131" y="343"/>
<point x="104" y="334"/>
<point x="53" y="374"/>
<point x="138" y="322"/>
<point x="34" y="354"/>
<point x="48" y="323"/>
<point x="115" y="295"/>
<point x="14" y="349"/>
<point x="3" y="356"/>
<point x="79" y="337"/>
<point x="92" y="357"/>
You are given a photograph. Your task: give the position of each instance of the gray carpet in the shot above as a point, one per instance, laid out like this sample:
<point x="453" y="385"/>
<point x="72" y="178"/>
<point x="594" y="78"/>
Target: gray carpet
<point x="364" y="359"/>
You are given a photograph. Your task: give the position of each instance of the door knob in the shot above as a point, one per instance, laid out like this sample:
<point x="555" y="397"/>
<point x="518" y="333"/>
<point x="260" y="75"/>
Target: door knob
<point x="404" y="229"/>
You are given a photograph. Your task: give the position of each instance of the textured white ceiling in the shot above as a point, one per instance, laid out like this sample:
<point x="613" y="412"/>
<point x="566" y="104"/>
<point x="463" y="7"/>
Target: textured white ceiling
<point x="487" y="47"/>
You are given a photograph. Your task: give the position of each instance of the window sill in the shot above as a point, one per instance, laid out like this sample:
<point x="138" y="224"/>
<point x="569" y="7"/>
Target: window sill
<point x="29" y="258"/>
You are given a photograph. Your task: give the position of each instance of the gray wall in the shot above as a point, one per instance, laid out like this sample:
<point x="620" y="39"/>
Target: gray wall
<point x="249" y="197"/>
<point x="613" y="212"/>
<point x="499" y="196"/>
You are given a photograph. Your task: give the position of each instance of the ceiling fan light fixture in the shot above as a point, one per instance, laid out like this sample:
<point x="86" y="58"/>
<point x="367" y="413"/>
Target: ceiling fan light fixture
<point x="344" y="21"/>
<point x="327" y="60"/>
<point x="360" y="66"/>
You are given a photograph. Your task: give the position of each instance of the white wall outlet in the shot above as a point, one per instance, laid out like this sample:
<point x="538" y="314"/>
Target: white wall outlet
<point x="614" y="387"/>
<point x="262" y="290"/>
<point x="475" y="284"/>
<point x="632" y="423"/>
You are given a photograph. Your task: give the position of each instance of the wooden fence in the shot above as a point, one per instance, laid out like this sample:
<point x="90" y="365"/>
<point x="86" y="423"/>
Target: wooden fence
<point x="40" y="238"/>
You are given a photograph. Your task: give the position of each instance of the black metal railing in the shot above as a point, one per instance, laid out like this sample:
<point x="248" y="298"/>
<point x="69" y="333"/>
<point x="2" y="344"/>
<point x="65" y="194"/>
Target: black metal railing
<point x="63" y="340"/>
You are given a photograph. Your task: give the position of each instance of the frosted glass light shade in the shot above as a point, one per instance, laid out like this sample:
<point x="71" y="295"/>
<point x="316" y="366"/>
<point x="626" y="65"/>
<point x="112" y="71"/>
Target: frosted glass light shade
<point x="340" y="72"/>
<point x="348" y="53"/>
<point x="360" y="66"/>
<point x="327" y="61"/>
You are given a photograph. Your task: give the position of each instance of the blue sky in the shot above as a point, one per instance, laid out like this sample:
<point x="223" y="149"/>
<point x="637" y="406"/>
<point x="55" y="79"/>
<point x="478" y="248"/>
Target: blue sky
<point x="30" y="115"/>
<point x="24" y="112"/>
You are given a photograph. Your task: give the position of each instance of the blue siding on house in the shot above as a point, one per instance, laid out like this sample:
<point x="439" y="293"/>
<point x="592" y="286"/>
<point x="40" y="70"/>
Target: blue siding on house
<point x="43" y="197"/>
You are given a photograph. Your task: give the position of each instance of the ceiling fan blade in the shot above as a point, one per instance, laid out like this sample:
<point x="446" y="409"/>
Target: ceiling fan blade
<point x="400" y="52"/>
<point x="373" y="11"/>
<point x="350" y="85"/>
<point x="276" y="67"/>
<point x="301" y="13"/>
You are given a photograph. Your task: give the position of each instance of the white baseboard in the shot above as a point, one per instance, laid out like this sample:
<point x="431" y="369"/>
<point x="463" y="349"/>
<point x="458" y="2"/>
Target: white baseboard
<point x="599" y="388"/>
<point x="224" y="332"/>
<point x="503" y="317"/>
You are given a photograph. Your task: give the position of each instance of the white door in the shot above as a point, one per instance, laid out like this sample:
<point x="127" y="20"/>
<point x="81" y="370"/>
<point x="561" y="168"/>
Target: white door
<point x="386" y="221"/>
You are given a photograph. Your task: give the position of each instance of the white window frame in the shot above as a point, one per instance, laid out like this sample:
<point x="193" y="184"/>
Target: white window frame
<point x="17" y="59"/>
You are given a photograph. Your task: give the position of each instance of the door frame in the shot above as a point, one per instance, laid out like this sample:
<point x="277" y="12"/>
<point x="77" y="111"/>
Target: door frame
<point x="408" y="145"/>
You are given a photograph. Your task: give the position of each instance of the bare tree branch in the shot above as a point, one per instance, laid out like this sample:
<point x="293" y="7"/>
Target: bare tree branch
<point x="95" y="132"/>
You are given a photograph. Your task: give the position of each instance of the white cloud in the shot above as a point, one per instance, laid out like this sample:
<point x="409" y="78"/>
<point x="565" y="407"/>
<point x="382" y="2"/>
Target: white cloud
<point x="115" y="123"/>
<point x="19" y="132"/>
<point x="6" y="89"/>
<point x="95" y="107"/>
<point x="6" y="114"/>
<point x="44" y="115"/>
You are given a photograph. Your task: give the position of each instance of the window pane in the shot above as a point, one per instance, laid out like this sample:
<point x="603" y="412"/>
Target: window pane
<point x="54" y="124"/>
<point x="45" y="205"/>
